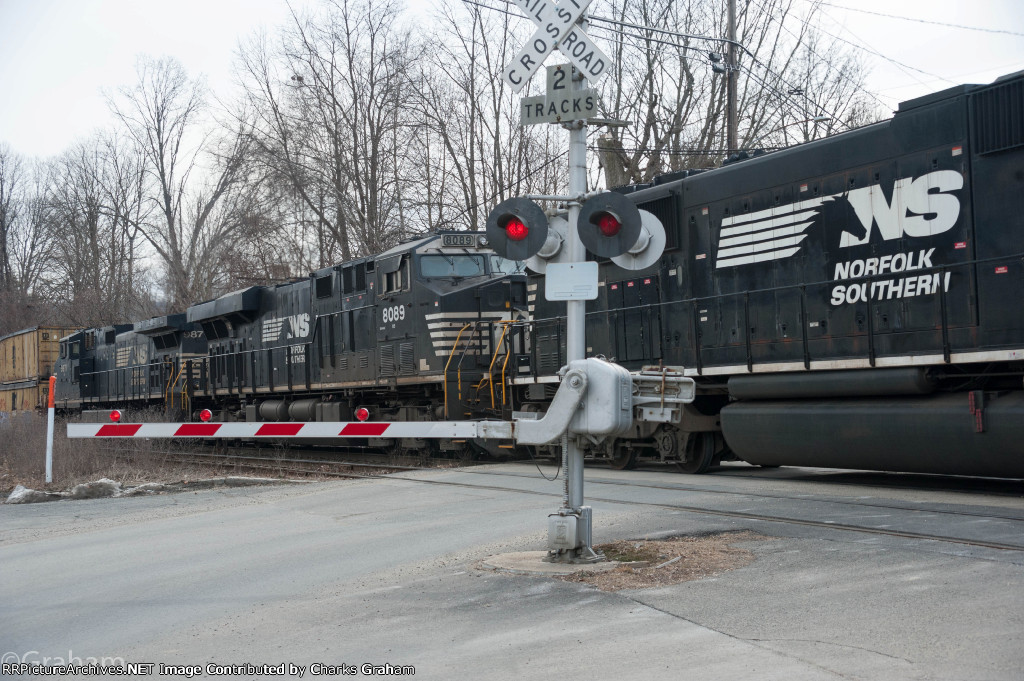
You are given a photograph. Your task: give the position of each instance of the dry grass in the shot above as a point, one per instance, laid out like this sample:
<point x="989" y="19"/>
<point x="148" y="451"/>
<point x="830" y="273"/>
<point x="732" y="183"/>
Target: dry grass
<point x="129" y="461"/>
<point x="653" y="563"/>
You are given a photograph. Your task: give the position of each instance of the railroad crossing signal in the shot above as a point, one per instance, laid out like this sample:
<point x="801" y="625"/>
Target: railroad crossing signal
<point x="609" y="225"/>
<point x="556" y="28"/>
<point x="517" y="228"/>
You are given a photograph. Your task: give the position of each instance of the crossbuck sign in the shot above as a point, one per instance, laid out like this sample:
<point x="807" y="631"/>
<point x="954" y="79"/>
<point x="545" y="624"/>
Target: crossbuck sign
<point x="556" y="28"/>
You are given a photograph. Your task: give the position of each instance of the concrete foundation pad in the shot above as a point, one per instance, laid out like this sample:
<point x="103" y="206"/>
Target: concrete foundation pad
<point x="532" y="563"/>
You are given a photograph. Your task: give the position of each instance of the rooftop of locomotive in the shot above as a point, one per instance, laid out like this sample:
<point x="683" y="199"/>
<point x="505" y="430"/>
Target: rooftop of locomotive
<point x="667" y="183"/>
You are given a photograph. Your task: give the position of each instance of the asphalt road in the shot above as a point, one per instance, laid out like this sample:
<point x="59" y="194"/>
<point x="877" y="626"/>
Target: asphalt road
<point x="386" y="571"/>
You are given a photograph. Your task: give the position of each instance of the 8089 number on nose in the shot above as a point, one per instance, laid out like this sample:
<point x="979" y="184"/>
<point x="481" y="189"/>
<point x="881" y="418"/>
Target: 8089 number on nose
<point x="394" y="313"/>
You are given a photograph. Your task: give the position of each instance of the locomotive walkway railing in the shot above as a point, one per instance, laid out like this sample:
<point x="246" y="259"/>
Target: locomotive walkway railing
<point x="951" y="307"/>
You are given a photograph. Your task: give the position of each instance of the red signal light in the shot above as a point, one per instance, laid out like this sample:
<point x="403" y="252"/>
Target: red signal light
<point x="205" y="415"/>
<point x="608" y="224"/>
<point x="362" y="413"/>
<point x="516" y="229"/>
<point x="115" y="415"/>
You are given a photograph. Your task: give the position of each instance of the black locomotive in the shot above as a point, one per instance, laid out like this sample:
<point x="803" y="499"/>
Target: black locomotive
<point x="853" y="302"/>
<point x="425" y="331"/>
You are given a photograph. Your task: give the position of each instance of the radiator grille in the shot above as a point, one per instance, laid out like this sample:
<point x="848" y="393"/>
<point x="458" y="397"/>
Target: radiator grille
<point x="387" y="360"/>
<point x="998" y="115"/>
<point x="405" y="359"/>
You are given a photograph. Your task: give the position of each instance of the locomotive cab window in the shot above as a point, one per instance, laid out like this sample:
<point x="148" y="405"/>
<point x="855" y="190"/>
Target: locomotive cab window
<point x="323" y="286"/>
<point x="500" y="265"/>
<point x="441" y="265"/>
<point x="394" y="274"/>
<point x="353" y="278"/>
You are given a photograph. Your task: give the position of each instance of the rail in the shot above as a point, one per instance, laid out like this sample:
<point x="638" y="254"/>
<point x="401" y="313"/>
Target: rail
<point x="879" y="311"/>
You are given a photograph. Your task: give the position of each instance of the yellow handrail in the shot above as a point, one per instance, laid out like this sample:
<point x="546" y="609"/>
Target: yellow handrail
<point x="444" y="379"/>
<point x="494" y="358"/>
<point x="184" y="390"/>
<point x="170" y="382"/>
<point x="504" y="365"/>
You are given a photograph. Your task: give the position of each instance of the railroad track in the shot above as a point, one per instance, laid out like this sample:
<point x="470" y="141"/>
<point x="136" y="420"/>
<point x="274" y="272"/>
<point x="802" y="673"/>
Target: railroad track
<point x="386" y="467"/>
<point x="376" y="470"/>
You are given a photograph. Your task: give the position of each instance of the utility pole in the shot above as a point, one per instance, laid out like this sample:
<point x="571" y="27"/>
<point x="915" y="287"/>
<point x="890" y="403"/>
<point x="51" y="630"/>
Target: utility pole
<point x="731" y="142"/>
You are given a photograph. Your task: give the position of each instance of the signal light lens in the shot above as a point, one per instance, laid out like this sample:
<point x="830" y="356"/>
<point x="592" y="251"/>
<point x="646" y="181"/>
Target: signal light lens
<point x="516" y="229"/>
<point x="608" y="224"/>
<point x="362" y="413"/>
<point x="115" y="415"/>
<point x="205" y="415"/>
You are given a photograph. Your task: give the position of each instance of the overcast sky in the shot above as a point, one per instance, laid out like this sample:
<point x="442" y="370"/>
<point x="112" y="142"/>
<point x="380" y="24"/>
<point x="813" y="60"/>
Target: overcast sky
<point x="58" y="55"/>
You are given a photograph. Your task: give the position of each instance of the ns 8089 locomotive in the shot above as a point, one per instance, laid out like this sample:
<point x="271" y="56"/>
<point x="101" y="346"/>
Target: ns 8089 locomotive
<point x="425" y="331"/>
<point x="855" y="302"/>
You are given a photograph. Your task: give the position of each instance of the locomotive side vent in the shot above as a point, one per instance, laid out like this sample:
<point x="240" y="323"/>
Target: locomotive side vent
<point x="665" y="210"/>
<point x="998" y="115"/>
<point x="387" y="360"/>
<point x="405" y="359"/>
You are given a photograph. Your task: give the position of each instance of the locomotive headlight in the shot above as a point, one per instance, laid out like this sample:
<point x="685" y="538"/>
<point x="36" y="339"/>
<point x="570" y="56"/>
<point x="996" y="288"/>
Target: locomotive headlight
<point x="362" y="413"/>
<point x="115" y="415"/>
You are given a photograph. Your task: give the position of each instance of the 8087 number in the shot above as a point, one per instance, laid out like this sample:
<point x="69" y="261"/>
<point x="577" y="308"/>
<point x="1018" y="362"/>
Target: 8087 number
<point x="394" y="313"/>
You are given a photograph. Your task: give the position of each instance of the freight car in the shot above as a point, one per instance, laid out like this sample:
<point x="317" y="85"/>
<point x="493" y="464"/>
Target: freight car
<point x="853" y="302"/>
<point x="424" y="331"/>
<point x="27" y="359"/>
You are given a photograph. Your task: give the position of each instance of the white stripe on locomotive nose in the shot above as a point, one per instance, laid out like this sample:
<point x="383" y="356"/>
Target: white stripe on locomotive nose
<point x="774" y="245"/>
<point x="765" y="230"/>
<point x="774" y="212"/>
<point x="758" y="257"/>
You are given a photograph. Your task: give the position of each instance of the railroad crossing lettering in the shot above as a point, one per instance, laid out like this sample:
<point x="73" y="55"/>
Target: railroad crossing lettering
<point x="555" y="28"/>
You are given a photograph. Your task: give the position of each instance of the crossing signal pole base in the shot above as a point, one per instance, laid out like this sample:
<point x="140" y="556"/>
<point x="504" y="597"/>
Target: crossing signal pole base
<point x="569" y="537"/>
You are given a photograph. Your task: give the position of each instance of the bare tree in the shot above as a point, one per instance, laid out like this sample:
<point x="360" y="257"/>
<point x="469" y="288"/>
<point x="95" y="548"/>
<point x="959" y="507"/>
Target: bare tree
<point x="330" y="119"/>
<point x="11" y="180"/>
<point x="94" y="203"/>
<point x="473" y="151"/>
<point x="670" y="81"/>
<point x="191" y="176"/>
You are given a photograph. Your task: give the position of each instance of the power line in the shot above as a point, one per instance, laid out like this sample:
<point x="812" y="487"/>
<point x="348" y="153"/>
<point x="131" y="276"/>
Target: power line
<point x="870" y="50"/>
<point x="922" y="21"/>
<point x="453" y="218"/>
<point x="785" y="28"/>
<point x="678" y="152"/>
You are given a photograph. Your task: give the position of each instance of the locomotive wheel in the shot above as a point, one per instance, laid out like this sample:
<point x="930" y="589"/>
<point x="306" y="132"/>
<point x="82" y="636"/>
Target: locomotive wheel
<point x="700" y="452"/>
<point x="624" y="458"/>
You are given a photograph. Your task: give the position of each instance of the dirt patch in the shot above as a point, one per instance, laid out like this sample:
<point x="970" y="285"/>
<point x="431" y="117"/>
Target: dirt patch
<point x="652" y="563"/>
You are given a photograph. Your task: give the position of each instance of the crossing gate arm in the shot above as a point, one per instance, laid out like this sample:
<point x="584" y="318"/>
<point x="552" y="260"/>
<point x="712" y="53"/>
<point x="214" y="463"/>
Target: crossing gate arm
<point x="438" y="430"/>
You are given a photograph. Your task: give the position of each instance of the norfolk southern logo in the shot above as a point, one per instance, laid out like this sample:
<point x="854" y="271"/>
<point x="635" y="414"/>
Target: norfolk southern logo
<point x="292" y="326"/>
<point x="918" y="208"/>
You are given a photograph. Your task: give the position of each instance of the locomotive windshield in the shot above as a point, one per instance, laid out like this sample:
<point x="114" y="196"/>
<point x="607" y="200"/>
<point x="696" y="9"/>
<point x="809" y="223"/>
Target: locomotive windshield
<point x="434" y="266"/>
<point x="500" y="265"/>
